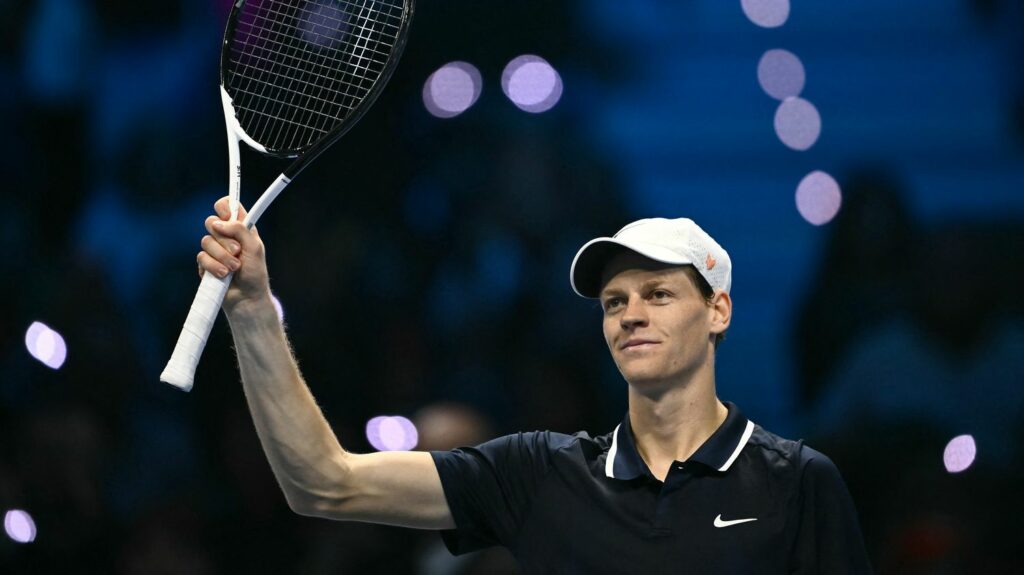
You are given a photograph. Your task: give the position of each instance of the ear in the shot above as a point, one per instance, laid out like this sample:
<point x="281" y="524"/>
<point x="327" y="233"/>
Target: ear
<point x="721" y="312"/>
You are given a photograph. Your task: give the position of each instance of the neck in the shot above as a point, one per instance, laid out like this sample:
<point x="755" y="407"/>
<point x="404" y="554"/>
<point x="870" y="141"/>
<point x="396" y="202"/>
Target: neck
<point x="673" y="424"/>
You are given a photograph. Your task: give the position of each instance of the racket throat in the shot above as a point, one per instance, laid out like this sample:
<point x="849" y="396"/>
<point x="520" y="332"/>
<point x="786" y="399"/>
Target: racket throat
<point x="266" y="199"/>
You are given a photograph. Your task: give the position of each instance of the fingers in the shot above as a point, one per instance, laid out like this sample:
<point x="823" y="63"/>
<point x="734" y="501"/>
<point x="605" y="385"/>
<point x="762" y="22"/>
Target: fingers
<point x="228" y="243"/>
<point x="247" y="238"/>
<point x="207" y="263"/>
<point x="228" y="232"/>
<point x="219" y="234"/>
<point x="223" y="253"/>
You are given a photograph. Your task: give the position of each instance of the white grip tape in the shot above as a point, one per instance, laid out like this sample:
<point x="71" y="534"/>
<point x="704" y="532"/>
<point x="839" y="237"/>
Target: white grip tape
<point x="181" y="368"/>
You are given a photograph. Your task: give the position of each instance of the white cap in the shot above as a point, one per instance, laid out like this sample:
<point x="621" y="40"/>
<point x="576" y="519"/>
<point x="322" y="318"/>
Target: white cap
<point x="679" y="242"/>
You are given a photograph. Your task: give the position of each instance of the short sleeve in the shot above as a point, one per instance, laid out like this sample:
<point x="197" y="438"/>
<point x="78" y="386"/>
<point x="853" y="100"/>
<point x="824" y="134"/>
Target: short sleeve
<point x="829" y="539"/>
<point x="489" y="488"/>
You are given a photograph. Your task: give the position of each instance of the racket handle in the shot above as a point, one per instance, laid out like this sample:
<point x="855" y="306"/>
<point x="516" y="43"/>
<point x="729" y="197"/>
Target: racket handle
<point x="181" y="369"/>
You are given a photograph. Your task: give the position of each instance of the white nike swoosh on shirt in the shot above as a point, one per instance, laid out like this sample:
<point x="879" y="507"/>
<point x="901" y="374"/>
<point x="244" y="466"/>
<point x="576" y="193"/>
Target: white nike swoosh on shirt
<point x="719" y="523"/>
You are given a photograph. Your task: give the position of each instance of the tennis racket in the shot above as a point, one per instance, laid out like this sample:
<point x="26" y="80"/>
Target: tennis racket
<point x="295" y="76"/>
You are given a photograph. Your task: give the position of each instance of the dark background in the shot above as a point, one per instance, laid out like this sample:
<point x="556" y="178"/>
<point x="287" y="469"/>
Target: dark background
<point x="422" y="264"/>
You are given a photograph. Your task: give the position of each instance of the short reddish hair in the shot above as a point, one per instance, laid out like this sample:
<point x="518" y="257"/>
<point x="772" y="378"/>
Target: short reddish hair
<point x="706" y="292"/>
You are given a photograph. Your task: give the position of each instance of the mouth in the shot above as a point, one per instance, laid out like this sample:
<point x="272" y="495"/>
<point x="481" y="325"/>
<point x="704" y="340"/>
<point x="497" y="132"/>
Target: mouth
<point x="637" y="345"/>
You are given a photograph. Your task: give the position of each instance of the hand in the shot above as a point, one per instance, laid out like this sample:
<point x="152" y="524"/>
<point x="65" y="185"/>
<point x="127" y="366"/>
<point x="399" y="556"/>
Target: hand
<point x="230" y="247"/>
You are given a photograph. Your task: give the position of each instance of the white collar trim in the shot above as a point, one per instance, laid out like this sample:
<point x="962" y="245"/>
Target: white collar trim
<point x="609" y="463"/>
<point x="743" y="442"/>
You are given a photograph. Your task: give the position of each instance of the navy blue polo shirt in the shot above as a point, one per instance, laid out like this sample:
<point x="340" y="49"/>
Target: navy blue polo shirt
<point x="747" y="501"/>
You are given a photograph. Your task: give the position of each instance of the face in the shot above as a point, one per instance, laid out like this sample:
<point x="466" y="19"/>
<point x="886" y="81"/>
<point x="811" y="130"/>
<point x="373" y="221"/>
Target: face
<point x="657" y="325"/>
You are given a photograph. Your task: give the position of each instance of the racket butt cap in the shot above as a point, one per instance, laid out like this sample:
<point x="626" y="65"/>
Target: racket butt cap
<point x="177" y="378"/>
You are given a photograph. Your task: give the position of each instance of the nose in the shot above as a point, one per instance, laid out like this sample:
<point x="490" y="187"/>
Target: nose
<point x="635" y="314"/>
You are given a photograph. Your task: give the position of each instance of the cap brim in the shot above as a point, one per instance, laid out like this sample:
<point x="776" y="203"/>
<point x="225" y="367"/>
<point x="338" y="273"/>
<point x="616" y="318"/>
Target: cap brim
<point x="590" y="261"/>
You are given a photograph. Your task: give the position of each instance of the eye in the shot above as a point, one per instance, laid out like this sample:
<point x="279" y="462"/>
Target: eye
<point x="611" y="303"/>
<point x="660" y="294"/>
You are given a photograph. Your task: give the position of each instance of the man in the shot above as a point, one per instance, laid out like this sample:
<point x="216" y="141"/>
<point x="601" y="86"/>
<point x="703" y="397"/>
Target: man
<point x="685" y="484"/>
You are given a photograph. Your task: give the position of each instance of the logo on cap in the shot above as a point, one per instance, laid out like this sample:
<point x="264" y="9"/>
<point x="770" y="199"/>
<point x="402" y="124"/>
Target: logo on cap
<point x="710" y="262"/>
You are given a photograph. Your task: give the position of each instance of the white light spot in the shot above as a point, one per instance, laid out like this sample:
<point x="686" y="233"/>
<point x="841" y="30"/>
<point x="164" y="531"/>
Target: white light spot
<point x="531" y="83"/>
<point x="959" y="453"/>
<point x="781" y="74"/>
<point x="277" y="307"/>
<point x="818" y="198"/>
<point x="19" y="526"/>
<point x="46" y="345"/>
<point x="391" y="433"/>
<point x="797" y="123"/>
<point x="452" y="89"/>
<point x="766" y="13"/>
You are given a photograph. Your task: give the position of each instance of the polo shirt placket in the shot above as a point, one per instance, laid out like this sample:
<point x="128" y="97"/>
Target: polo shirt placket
<point x="716" y="455"/>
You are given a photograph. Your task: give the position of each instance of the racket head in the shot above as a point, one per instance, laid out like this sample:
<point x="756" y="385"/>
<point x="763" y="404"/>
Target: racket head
<point x="301" y="73"/>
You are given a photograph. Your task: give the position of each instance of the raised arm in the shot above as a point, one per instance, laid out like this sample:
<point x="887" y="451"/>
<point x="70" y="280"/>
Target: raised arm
<point x="318" y="477"/>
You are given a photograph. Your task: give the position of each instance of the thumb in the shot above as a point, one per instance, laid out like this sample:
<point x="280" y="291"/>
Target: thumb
<point x="223" y="209"/>
<point x="237" y="231"/>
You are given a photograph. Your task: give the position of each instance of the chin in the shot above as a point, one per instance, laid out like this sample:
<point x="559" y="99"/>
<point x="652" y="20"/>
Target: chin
<point x="645" y="378"/>
<point x="648" y="378"/>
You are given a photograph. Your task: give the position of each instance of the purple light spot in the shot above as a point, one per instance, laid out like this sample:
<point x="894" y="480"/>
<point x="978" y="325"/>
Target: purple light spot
<point x="19" y="526"/>
<point x="797" y="123"/>
<point x="766" y="13"/>
<point x="46" y="345"/>
<point x="323" y="24"/>
<point x="781" y="74"/>
<point x="959" y="453"/>
<point x="391" y="433"/>
<point x="531" y="83"/>
<point x="277" y="307"/>
<point x="818" y="198"/>
<point x="452" y="89"/>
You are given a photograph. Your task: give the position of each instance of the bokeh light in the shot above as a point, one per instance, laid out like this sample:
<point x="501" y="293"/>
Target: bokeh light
<point x="46" y="345"/>
<point x="818" y="198"/>
<point x="19" y="526"/>
<point x="452" y="89"/>
<point x="959" y="453"/>
<point x="766" y="13"/>
<point x="797" y="123"/>
<point x="531" y="83"/>
<point x="324" y="25"/>
<point x="781" y="74"/>
<point x="391" y="433"/>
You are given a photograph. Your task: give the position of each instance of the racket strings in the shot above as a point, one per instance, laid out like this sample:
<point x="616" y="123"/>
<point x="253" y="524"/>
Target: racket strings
<point x="281" y="40"/>
<point x="298" y="68"/>
<point x="279" y="27"/>
<point x="302" y="69"/>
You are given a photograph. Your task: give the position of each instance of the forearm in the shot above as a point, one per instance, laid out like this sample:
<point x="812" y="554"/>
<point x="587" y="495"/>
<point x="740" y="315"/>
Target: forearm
<point x="309" y="463"/>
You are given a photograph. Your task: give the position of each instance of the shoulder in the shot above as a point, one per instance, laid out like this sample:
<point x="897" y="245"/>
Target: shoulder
<point x="550" y="441"/>
<point x="774" y="449"/>
<point x="793" y="455"/>
<point x="818" y="471"/>
<point x="538" y="446"/>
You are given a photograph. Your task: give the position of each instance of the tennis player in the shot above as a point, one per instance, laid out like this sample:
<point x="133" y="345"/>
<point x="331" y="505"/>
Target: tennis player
<point x="684" y="484"/>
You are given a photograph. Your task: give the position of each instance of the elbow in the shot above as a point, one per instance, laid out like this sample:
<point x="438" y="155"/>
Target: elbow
<point x="328" y="501"/>
<point x="301" y="505"/>
<point x="308" y="505"/>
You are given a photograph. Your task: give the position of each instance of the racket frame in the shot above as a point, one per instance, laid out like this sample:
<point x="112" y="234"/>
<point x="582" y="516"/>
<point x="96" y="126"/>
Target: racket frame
<point x="180" y="369"/>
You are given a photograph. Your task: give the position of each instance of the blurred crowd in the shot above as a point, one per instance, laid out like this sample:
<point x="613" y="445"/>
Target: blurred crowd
<point x="910" y="335"/>
<point x="423" y="270"/>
